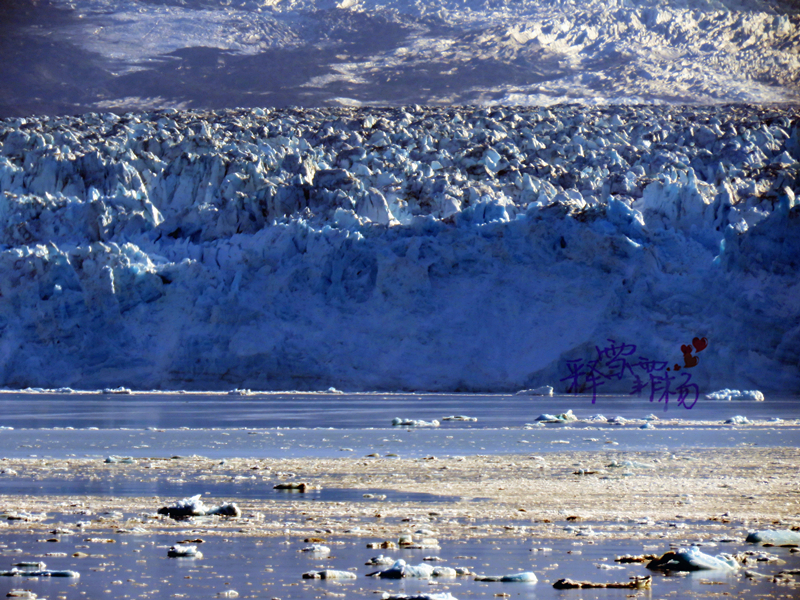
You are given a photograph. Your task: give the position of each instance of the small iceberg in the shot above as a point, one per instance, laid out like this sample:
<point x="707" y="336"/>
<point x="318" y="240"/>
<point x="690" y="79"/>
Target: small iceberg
<point x="380" y="561"/>
<point x="184" y="552"/>
<point x="774" y="537"/>
<point x="400" y="569"/>
<point x="194" y="507"/>
<point x="329" y="574"/>
<point x="240" y="392"/>
<point x="730" y="395"/>
<point x="316" y="549"/>
<point x="119" y="390"/>
<point x="567" y="417"/>
<point x="459" y="418"/>
<point x="16" y="572"/>
<point x="123" y="460"/>
<point x="738" y="420"/>
<point x="692" y="559"/>
<point x="398" y="422"/>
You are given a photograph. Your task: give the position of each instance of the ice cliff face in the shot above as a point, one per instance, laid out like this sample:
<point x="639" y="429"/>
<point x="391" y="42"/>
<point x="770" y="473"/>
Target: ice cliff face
<point x="408" y="248"/>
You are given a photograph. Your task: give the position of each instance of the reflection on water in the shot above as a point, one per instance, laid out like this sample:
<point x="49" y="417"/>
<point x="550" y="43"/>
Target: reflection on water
<point x="163" y="487"/>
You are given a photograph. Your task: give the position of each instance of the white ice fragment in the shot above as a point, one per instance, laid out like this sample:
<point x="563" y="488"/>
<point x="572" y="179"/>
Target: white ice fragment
<point x="738" y="420"/>
<point x="726" y="394"/>
<point x="316" y="549"/>
<point x="398" y="422"/>
<point x="329" y="574"/>
<point x="566" y="417"/>
<point x="544" y="390"/>
<point x="187" y="551"/>
<point x="380" y="560"/>
<point x="692" y="559"/>
<point x="400" y="569"/>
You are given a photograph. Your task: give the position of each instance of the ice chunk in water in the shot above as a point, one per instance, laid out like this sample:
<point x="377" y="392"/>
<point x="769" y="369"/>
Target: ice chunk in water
<point x="776" y="537"/>
<point x="727" y="394"/>
<point x="692" y="559"/>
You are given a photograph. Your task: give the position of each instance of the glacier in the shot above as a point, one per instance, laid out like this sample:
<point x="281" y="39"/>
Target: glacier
<point x="402" y="248"/>
<point x="67" y="57"/>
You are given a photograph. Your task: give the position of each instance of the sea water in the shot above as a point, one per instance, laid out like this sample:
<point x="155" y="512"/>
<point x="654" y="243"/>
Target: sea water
<point x="309" y="425"/>
<point x="347" y="411"/>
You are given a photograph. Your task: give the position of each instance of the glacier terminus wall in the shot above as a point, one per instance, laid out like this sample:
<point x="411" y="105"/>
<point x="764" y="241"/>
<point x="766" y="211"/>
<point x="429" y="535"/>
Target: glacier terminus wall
<point x="408" y="248"/>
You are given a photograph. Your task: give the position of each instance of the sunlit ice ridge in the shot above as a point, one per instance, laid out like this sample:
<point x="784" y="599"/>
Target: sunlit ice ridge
<point x="65" y="57"/>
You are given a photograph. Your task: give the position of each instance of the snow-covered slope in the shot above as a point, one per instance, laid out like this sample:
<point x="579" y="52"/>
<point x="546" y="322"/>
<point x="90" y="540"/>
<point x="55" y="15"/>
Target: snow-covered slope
<point x="66" y="57"/>
<point x="409" y="248"/>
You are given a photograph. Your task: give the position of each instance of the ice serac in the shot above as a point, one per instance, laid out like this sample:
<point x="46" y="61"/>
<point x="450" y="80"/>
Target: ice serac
<point x="439" y="249"/>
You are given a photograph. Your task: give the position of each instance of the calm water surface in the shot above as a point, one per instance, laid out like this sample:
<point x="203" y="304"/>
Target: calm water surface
<point x="345" y="411"/>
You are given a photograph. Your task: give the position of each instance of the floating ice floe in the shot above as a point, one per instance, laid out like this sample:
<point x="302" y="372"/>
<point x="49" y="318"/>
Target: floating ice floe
<point x="738" y="420"/>
<point x="24" y="594"/>
<point x="730" y="395"/>
<point x="329" y="574"/>
<point x="184" y="551"/>
<point x="123" y="460"/>
<point x="23" y="515"/>
<point x="316" y="549"/>
<point x="400" y="569"/>
<point x="692" y="559"/>
<point x="194" y="507"/>
<point x="774" y="537"/>
<point x="567" y="417"/>
<point x="459" y="418"/>
<point x="380" y="561"/>
<point x="398" y="422"/>
<point x="17" y="572"/>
